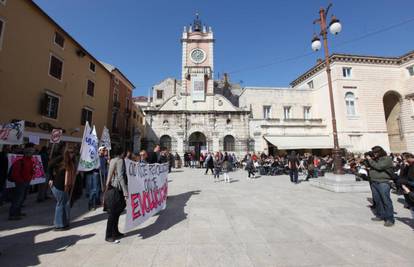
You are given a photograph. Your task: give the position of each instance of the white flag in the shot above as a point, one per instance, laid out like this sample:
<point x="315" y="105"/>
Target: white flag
<point x="89" y="159"/>
<point x="105" y="139"/>
<point x="12" y="133"/>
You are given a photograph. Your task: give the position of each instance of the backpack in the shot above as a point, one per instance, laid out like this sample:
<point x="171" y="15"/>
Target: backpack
<point x="15" y="171"/>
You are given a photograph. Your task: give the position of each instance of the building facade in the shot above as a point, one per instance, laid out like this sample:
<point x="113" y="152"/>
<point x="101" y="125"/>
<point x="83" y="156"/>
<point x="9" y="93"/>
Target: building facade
<point x="374" y="105"/>
<point x="121" y="123"/>
<point x="46" y="77"/>
<point x="189" y="115"/>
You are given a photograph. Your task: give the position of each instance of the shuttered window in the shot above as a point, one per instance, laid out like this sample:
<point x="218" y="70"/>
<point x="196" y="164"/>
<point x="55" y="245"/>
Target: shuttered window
<point x="91" y="88"/>
<point x="86" y="116"/>
<point x="50" y="106"/>
<point x="56" y="67"/>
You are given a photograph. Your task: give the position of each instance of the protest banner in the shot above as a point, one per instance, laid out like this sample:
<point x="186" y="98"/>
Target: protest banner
<point x="12" y="133"/>
<point x="89" y="159"/>
<point x="147" y="189"/>
<point x="105" y="139"/>
<point x="39" y="173"/>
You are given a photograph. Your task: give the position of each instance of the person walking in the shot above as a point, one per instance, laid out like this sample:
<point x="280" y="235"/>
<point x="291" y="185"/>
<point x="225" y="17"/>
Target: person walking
<point x="250" y="167"/>
<point x="226" y="168"/>
<point x="380" y="168"/>
<point x="293" y="164"/>
<point x="21" y="173"/>
<point x="217" y="168"/>
<point x="116" y="194"/>
<point x="61" y="184"/>
<point x="209" y="164"/>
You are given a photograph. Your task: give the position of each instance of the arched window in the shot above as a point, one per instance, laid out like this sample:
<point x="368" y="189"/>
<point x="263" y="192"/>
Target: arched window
<point x="165" y="142"/>
<point x="228" y="143"/>
<point x="350" y="104"/>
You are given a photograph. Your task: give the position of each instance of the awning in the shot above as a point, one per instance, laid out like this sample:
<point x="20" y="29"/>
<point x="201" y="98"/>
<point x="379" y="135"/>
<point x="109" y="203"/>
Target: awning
<point x="301" y="142"/>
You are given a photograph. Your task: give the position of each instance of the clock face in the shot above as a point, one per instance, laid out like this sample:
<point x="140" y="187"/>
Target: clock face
<point x="198" y="55"/>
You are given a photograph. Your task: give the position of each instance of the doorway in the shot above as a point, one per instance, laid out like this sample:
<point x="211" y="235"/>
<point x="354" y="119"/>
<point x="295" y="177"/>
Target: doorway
<point x="197" y="143"/>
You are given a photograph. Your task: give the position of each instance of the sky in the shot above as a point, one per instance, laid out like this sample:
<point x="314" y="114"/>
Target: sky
<point x="259" y="43"/>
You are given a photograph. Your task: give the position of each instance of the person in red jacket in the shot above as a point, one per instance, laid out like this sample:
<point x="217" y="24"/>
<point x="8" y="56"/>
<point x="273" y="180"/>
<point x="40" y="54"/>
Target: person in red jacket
<point x="22" y="173"/>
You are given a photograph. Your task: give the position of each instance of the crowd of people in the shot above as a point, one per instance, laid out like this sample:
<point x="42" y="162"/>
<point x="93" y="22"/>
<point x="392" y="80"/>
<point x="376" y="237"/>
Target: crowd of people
<point x="107" y="186"/>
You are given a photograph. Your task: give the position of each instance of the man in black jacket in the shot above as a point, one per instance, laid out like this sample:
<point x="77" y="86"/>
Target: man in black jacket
<point x="154" y="156"/>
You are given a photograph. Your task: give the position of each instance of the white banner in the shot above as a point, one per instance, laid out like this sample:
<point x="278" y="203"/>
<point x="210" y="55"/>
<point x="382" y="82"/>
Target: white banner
<point x="38" y="171"/>
<point x="89" y="158"/>
<point x="198" y="87"/>
<point x="12" y="133"/>
<point x="148" y="189"/>
<point x="105" y="139"/>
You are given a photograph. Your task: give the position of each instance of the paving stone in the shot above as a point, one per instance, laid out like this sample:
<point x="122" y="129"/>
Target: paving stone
<point x="266" y="222"/>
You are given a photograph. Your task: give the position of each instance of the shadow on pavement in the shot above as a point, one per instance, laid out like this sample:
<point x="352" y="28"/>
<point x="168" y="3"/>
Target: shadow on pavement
<point x="407" y="221"/>
<point x="20" y="250"/>
<point x="173" y="214"/>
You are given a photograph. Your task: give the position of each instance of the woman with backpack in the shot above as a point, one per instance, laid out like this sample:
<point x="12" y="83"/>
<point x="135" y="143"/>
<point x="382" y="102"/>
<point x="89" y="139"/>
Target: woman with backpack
<point x="61" y="184"/>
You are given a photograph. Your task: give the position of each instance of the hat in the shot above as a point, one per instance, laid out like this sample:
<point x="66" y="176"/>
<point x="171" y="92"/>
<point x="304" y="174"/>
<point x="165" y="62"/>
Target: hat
<point x="101" y="148"/>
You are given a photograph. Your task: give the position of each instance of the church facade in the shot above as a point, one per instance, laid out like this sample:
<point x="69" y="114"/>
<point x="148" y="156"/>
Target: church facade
<point x="374" y="104"/>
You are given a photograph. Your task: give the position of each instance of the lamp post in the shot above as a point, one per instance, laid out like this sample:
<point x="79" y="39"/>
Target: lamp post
<point x="334" y="27"/>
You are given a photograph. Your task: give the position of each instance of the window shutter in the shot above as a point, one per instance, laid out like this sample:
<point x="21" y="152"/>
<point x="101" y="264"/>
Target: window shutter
<point x="90" y="117"/>
<point x="83" y="117"/>
<point x="43" y="105"/>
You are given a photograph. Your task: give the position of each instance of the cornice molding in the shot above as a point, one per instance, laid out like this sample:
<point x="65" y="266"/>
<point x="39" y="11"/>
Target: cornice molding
<point x="395" y="61"/>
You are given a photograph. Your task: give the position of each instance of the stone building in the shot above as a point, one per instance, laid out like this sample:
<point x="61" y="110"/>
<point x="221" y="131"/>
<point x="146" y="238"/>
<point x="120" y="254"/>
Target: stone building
<point x="189" y="115"/>
<point x="374" y="105"/>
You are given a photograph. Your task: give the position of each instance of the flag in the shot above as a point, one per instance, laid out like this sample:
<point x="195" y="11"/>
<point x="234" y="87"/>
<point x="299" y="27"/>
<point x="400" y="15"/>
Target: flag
<point x="12" y="133"/>
<point x="105" y="139"/>
<point x="89" y="158"/>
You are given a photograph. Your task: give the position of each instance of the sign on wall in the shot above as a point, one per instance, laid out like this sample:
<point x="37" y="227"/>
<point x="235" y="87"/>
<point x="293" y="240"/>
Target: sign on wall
<point x="198" y="87"/>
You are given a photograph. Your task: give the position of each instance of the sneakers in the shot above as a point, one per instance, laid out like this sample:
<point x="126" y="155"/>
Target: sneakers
<point x="112" y="240"/>
<point x="377" y="219"/>
<point x="388" y="223"/>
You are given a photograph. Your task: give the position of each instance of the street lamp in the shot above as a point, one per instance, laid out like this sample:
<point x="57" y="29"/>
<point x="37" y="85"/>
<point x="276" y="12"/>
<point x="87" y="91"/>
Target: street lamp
<point x="335" y="27"/>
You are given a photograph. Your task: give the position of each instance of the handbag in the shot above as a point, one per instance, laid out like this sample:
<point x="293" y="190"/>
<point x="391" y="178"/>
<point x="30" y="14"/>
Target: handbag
<point x="114" y="200"/>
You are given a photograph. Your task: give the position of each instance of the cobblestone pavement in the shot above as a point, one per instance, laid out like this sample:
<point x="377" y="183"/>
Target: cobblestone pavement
<point x="265" y="222"/>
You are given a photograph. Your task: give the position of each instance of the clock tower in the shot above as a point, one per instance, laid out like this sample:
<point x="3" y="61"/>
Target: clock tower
<point x="197" y="61"/>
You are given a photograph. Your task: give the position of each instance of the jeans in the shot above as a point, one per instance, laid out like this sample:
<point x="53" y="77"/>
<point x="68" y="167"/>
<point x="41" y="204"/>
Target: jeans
<point x="93" y="185"/>
<point x="293" y="175"/>
<point x="382" y="198"/>
<point x="62" y="211"/>
<point x="18" y="198"/>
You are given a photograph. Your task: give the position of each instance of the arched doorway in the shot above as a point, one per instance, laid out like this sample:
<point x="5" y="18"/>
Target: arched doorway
<point x="392" y="111"/>
<point x="165" y="142"/>
<point x="228" y="143"/>
<point x="197" y="143"/>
